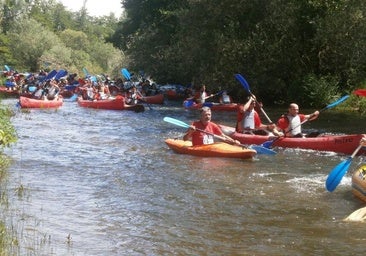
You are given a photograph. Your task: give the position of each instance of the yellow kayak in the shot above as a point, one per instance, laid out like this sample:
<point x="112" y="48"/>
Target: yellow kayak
<point x="359" y="182"/>
<point x="218" y="149"/>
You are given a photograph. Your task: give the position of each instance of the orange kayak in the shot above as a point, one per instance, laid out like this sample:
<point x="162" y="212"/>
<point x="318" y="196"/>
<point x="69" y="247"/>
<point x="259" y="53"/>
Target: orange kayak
<point x="219" y="149"/>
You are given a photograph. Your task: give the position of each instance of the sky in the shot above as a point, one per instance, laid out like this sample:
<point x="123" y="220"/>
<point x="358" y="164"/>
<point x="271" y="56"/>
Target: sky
<point x="95" y="7"/>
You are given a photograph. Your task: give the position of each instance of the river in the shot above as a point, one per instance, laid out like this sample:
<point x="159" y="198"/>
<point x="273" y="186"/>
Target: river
<point x="99" y="182"/>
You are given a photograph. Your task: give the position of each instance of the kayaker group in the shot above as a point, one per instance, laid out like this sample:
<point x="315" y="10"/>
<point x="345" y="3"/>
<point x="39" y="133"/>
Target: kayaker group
<point x="54" y="84"/>
<point x="249" y="122"/>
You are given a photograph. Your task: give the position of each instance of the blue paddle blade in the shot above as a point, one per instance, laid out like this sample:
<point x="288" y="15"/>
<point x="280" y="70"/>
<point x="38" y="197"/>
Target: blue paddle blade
<point x="85" y="71"/>
<point x="337" y="174"/>
<point x="125" y="73"/>
<point x="49" y="76"/>
<point x="32" y="88"/>
<point x="336" y="102"/>
<point x="243" y="82"/>
<point x="188" y="103"/>
<point x="176" y="122"/>
<point x="7" y="68"/>
<point x="263" y="150"/>
<point x="61" y="73"/>
<point x="268" y="144"/>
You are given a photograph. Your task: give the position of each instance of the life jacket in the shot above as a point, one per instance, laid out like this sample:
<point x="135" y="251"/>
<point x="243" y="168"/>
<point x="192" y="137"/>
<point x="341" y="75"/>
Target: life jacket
<point x="248" y="120"/>
<point x="226" y="99"/>
<point x="293" y="125"/>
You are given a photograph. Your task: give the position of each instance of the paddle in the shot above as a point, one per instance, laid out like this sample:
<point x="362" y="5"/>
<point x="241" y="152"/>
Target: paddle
<point x="336" y="175"/>
<point x="259" y="149"/>
<point x="360" y="92"/>
<point x="85" y="71"/>
<point x="245" y="84"/>
<point x="269" y="143"/>
<point x="49" y="76"/>
<point x="61" y="73"/>
<point x="127" y="75"/>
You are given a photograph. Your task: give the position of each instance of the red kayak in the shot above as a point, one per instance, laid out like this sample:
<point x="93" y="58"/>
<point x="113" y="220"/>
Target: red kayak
<point x="189" y="104"/>
<point x="117" y="103"/>
<point x="26" y="102"/>
<point x="360" y="92"/>
<point x="153" y="99"/>
<point x="344" y="144"/>
<point x="10" y="93"/>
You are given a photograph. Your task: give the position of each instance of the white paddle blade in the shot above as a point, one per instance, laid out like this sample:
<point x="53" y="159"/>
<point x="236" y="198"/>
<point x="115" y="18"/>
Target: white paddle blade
<point x="357" y="216"/>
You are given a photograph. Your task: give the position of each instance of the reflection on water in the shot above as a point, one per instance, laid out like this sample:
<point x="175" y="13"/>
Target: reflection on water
<point x="105" y="183"/>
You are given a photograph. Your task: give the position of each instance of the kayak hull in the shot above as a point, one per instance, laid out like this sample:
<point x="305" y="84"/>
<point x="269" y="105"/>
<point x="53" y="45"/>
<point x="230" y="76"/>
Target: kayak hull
<point x="154" y="99"/>
<point x="117" y="103"/>
<point x="219" y="149"/>
<point x="7" y="92"/>
<point x="232" y="107"/>
<point x="26" y="102"/>
<point x="344" y="144"/>
<point x="359" y="183"/>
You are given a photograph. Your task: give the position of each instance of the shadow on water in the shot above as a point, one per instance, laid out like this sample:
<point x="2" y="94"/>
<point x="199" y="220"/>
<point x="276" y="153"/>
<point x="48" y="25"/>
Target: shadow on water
<point x="104" y="182"/>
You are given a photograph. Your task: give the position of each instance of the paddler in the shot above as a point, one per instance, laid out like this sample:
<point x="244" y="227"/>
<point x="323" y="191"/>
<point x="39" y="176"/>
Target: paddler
<point x="249" y="122"/>
<point x="205" y="124"/>
<point x="291" y="122"/>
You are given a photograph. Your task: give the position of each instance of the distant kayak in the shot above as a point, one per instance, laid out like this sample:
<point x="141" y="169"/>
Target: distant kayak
<point x="117" y="103"/>
<point x="153" y="99"/>
<point x="219" y="149"/>
<point x="190" y="104"/>
<point x="26" y="102"/>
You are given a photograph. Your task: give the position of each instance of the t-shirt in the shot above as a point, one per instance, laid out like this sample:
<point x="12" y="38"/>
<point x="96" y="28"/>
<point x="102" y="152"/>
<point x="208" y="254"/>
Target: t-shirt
<point x="200" y="138"/>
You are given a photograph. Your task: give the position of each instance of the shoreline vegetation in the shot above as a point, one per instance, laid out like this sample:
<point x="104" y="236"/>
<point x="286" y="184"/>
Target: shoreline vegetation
<point x="8" y="136"/>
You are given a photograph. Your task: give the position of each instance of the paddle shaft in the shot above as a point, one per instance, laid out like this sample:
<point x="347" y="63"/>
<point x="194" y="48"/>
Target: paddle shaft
<point x="219" y="137"/>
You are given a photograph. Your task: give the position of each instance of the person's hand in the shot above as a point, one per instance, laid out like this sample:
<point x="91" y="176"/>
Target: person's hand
<point x="271" y="127"/>
<point x="363" y="142"/>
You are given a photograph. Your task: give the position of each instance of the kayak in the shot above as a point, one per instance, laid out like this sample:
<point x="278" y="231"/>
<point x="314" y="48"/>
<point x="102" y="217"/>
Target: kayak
<point x="9" y="93"/>
<point x="219" y="149"/>
<point x="26" y="102"/>
<point x="344" y="144"/>
<point x="189" y="104"/>
<point x="153" y="99"/>
<point x="359" y="183"/>
<point x="117" y="103"/>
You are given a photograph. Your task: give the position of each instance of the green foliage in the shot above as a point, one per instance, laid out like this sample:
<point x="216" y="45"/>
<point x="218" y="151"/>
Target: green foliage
<point x="313" y="91"/>
<point x="39" y="34"/>
<point x="297" y="50"/>
<point x="7" y="131"/>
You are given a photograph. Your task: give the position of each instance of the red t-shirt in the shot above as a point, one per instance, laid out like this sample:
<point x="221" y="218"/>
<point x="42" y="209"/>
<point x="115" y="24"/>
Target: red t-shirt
<point x="200" y="138"/>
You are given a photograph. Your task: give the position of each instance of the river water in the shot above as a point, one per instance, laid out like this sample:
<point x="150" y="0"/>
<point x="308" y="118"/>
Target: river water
<point x="99" y="182"/>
